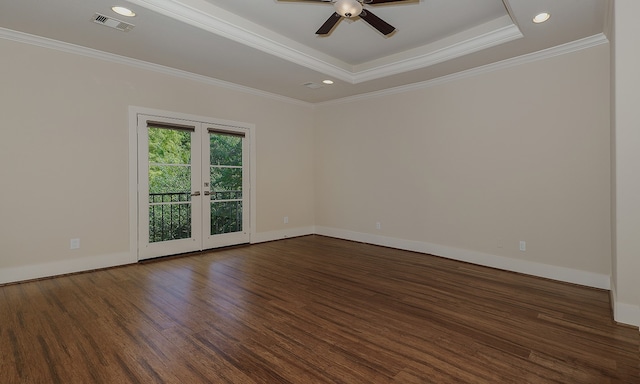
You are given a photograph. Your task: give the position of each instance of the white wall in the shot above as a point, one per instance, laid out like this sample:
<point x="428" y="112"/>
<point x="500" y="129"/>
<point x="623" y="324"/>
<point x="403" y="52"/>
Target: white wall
<point x="469" y="168"/>
<point x="64" y="156"/>
<point x="626" y="157"/>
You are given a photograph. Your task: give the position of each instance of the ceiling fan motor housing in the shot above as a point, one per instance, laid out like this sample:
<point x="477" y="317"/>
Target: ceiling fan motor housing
<point x="354" y="8"/>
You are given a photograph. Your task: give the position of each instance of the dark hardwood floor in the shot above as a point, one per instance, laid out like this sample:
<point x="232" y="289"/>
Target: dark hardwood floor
<point x="310" y="310"/>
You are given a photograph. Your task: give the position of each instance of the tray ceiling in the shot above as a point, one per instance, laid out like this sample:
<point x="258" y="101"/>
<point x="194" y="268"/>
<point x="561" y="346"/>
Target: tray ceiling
<point x="271" y="46"/>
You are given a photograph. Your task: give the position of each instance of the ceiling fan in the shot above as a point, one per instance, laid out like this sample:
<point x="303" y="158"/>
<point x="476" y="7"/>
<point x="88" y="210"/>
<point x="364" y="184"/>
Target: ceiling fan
<point x="351" y="9"/>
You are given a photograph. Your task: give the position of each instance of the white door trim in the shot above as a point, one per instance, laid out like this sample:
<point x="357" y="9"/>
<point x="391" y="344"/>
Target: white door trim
<point x="134" y="111"/>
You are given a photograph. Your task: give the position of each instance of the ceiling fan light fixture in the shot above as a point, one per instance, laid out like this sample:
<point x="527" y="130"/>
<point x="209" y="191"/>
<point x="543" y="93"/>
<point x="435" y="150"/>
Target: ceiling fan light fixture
<point x="348" y="8"/>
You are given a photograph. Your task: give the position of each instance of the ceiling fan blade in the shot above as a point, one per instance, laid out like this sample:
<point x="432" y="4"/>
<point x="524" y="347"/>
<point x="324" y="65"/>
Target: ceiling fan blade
<point x="380" y="1"/>
<point x="329" y="24"/>
<point x="377" y="23"/>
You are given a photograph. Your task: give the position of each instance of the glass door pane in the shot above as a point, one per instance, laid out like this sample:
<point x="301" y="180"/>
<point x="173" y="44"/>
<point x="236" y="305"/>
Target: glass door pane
<point x="169" y="184"/>
<point x="225" y="174"/>
<point x="226" y="178"/>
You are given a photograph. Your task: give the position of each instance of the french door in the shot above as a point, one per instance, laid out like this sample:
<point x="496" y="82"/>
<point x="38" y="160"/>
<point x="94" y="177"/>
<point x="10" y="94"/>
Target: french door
<point x="192" y="186"/>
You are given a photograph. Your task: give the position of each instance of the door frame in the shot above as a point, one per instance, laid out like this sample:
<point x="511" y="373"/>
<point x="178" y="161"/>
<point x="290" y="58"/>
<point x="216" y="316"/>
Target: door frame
<point x="134" y="111"/>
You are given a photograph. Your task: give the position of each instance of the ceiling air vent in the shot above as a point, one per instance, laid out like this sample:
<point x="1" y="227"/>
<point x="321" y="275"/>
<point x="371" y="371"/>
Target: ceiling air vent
<point x="111" y="22"/>
<point x="312" y="85"/>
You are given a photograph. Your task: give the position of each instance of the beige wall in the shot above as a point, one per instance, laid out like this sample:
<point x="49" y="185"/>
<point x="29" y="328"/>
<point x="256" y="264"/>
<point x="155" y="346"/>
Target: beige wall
<point x="626" y="157"/>
<point x="64" y="151"/>
<point x="479" y="164"/>
<point x="468" y="168"/>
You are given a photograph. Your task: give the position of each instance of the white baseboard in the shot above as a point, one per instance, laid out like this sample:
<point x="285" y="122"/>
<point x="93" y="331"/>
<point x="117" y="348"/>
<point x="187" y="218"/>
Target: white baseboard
<point x="622" y="312"/>
<point x="568" y="275"/>
<point x="61" y="267"/>
<point x="82" y="264"/>
<point x="262" y="237"/>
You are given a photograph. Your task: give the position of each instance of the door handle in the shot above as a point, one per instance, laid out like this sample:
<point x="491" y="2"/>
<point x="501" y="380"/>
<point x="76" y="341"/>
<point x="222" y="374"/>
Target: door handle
<point x="207" y="193"/>
<point x="196" y="193"/>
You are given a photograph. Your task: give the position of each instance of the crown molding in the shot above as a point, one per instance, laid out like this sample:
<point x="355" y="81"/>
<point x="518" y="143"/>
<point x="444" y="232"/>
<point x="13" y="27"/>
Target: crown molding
<point x="204" y="15"/>
<point x="577" y="45"/>
<point x="44" y="42"/>
<point x="501" y="30"/>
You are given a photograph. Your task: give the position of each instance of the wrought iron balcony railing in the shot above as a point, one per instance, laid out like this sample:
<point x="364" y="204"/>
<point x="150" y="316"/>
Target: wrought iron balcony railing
<point x="170" y="214"/>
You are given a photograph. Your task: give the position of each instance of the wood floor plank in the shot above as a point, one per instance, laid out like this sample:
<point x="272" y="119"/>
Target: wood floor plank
<point x="310" y="310"/>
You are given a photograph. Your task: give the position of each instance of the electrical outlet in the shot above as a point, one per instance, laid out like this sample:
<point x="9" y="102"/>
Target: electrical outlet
<point x="286" y="219"/>
<point x="378" y="225"/>
<point x="523" y="245"/>
<point x="74" y="244"/>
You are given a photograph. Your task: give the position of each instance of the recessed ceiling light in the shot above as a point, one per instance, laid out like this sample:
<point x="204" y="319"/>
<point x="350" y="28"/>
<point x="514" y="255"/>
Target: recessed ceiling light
<point x="123" y="11"/>
<point x="328" y="82"/>
<point x="541" y="17"/>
